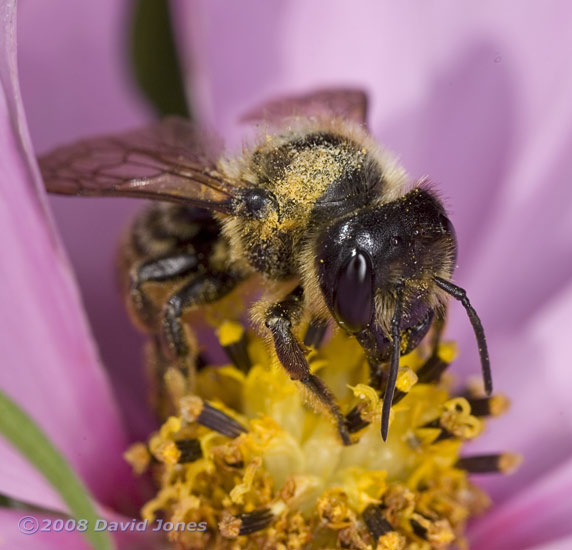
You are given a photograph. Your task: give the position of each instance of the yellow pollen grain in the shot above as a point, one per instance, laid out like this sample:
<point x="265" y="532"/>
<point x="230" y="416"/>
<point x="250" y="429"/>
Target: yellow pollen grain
<point x="391" y="541"/>
<point x="230" y="332"/>
<point x="229" y="526"/>
<point x="170" y="427"/>
<point x="509" y="462"/>
<point x="499" y="404"/>
<point x="448" y="352"/>
<point x="406" y="379"/>
<point x="191" y="407"/>
<point x="167" y="452"/>
<point x="138" y="456"/>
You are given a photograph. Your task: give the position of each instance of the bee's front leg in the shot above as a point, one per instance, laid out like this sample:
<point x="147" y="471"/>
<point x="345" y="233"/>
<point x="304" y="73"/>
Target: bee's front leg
<point x="279" y="319"/>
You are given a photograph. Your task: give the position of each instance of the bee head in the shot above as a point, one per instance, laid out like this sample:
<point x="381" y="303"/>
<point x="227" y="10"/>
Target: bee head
<point x="364" y="258"/>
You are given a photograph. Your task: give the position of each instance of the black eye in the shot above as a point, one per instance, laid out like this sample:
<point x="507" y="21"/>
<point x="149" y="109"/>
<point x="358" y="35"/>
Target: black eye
<point x="353" y="293"/>
<point x="396" y="240"/>
<point x="445" y="224"/>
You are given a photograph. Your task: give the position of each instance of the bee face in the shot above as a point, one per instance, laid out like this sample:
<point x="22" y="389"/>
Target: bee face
<point x="363" y="258"/>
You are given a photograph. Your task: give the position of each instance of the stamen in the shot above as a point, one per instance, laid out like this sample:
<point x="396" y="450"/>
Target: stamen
<point x="245" y="524"/>
<point x="438" y="533"/>
<point x="238" y="354"/>
<point x="505" y="463"/>
<point x="489" y="406"/>
<point x="255" y="521"/>
<point x="235" y="343"/>
<point x="138" y="456"/>
<point x="432" y="370"/>
<point x="354" y="421"/>
<point x="428" y="373"/>
<point x="194" y="409"/>
<point x="375" y="521"/>
<point x="190" y="450"/>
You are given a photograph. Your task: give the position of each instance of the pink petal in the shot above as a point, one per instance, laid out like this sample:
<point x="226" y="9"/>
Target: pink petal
<point x="534" y="370"/>
<point x="49" y="364"/>
<point x="76" y="82"/>
<point x="538" y="514"/>
<point x="11" y="537"/>
<point x="561" y="544"/>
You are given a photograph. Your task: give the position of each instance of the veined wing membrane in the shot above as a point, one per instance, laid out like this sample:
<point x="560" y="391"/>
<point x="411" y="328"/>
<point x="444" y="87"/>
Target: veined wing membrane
<point x="346" y="103"/>
<point x="167" y="161"/>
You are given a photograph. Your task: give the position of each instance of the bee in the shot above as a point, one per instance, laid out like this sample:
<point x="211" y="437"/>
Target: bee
<point x="316" y="208"/>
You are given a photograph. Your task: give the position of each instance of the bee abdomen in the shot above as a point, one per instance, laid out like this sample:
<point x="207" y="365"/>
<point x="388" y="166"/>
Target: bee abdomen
<point x="162" y="228"/>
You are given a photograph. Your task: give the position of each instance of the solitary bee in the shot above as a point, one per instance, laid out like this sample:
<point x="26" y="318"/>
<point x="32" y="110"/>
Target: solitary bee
<point x="317" y="209"/>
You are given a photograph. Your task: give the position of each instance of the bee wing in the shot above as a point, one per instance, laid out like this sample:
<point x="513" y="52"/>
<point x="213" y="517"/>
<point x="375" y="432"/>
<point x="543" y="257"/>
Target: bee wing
<point x="164" y="161"/>
<point x="347" y="103"/>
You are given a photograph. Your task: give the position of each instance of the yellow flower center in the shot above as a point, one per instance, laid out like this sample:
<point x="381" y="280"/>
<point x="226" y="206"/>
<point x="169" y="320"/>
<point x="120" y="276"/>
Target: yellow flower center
<point x="251" y="456"/>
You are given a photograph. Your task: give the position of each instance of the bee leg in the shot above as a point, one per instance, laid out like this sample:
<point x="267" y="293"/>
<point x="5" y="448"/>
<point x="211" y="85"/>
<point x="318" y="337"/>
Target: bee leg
<point x="162" y="378"/>
<point x="165" y="269"/>
<point x="279" y="319"/>
<point x="203" y="289"/>
<point x="315" y="333"/>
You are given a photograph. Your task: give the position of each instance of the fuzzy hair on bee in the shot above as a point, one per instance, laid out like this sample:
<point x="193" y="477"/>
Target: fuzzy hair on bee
<point x="318" y="213"/>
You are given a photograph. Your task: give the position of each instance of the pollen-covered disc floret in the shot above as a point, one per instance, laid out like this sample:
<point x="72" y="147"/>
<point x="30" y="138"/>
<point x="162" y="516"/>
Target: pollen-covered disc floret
<point x="248" y="458"/>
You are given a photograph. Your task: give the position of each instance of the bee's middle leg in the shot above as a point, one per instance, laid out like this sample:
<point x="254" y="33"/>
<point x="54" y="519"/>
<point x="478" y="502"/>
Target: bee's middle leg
<point x="204" y="288"/>
<point x="279" y="319"/>
<point x="166" y="269"/>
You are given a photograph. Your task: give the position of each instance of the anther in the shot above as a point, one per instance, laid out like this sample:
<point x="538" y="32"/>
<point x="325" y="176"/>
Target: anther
<point x="432" y="370"/>
<point x="245" y="524"/>
<point x="194" y="409"/>
<point x="489" y="406"/>
<point x="429" y="372"/>
<point x="354" y="422"/>
<point x="438" y="533"/>
<point x="504" y="463"/>
<point x="376" y="523"/>
<point x="190" y="450"/>
<point x="235" y="343"/>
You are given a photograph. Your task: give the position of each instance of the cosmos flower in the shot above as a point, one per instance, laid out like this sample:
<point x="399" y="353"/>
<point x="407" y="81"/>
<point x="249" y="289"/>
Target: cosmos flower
<point x="469" y="97"/>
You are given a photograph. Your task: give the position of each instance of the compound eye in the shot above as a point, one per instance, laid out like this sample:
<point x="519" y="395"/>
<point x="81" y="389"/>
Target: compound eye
<point x="445" y="225"/>
<point x="353" y="293"/>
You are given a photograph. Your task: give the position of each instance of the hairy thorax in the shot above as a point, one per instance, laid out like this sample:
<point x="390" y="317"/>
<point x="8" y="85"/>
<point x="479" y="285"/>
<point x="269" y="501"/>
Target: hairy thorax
<point x="298" y="171"/>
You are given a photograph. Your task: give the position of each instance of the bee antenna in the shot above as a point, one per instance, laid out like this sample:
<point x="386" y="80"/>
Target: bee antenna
<point x="460" y="294"/>
<point x="394" y="364"/>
